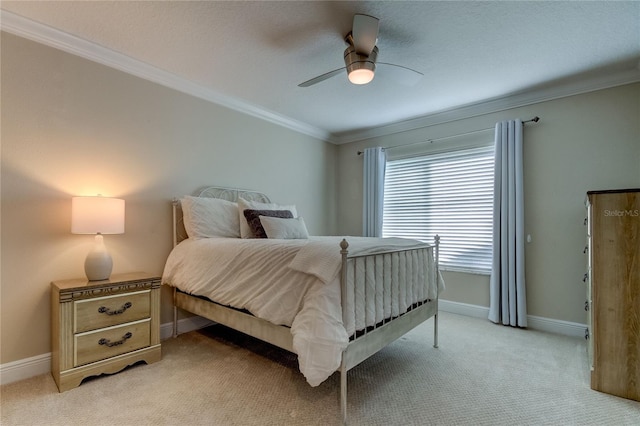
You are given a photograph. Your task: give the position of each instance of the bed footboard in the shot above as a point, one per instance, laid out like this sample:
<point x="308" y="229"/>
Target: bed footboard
<point x="399" y="291"/>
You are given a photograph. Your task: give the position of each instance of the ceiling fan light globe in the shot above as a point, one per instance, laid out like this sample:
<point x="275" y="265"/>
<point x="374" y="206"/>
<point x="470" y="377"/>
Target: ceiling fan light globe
<point x="360" y="68"/>
<point x="361" y="76"/>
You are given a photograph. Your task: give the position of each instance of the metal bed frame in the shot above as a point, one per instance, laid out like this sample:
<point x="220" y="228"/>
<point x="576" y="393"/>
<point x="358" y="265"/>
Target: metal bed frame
<point x="361" y="346"/>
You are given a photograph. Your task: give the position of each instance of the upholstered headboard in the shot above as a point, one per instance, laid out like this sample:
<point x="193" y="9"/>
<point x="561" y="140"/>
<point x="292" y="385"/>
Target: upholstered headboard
<point x="229" y="194"/>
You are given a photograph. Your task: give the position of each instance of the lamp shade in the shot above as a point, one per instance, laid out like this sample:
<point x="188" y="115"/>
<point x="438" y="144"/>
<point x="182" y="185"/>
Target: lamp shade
<point x="97" y="215"/>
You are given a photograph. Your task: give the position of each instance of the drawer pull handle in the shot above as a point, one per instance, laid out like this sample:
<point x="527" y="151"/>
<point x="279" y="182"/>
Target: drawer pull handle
<point x="107" y="342"/>
<point x="105" y="310"/>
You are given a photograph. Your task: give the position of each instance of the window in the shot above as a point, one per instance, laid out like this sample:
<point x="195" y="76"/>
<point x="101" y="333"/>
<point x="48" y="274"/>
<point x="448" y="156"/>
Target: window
<point x="446" y="193"/>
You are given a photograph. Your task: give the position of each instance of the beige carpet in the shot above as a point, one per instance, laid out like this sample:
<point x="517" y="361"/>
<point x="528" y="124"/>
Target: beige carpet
<point x="482" y="374"/>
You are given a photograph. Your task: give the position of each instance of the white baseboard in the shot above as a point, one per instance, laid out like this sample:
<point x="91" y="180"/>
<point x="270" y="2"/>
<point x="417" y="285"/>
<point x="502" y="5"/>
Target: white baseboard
<point x="573" y="329"/>
<point x="41" y="364"/>
<point x="549" y="325"/>
<point x="465" y="309"/>
<point x="25" y="368"/>
<point x="184" y="326"/>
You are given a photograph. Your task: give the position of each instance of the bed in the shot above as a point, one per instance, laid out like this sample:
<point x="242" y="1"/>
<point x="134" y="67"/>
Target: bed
<point x="333" y="301"/>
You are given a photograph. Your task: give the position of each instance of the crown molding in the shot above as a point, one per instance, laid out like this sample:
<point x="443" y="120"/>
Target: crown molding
<point x="49" y="36"/>
<point x="26" y="28"/>
<point x="493" y="105"/>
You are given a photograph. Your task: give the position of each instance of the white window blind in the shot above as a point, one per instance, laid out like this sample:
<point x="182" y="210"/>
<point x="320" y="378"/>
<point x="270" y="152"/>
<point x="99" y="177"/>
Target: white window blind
<point x="446" y="193"/>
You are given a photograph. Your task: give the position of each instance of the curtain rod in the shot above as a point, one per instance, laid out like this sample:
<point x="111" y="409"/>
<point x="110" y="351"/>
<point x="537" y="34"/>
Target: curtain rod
<point x="533" y="120"/>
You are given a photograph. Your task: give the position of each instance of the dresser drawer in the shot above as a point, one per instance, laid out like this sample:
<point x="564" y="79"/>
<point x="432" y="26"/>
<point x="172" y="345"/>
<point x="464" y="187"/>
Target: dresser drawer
<point x="109" y="342"/>
<point x="92" y="314"/>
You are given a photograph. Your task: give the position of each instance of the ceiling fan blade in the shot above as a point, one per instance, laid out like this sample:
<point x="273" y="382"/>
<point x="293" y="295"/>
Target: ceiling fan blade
<point x="320" y="78"/>
<point x="400" y="74"/>
<point x="365" y="33"/>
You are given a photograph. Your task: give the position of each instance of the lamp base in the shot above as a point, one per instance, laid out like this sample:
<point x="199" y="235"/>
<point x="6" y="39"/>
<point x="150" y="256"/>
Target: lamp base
<point x="98" y="264"/>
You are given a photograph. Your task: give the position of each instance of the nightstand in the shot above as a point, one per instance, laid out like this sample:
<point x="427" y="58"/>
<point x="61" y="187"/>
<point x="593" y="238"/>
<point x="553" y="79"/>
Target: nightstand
<point x="100" y="327"/>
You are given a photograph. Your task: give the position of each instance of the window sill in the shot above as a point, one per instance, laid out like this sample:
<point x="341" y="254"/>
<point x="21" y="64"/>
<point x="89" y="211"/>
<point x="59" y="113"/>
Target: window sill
<point x="465" y="270"/>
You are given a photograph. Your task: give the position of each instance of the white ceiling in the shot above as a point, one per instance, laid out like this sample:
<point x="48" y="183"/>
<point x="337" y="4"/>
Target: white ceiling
<point x="252" y="55"/>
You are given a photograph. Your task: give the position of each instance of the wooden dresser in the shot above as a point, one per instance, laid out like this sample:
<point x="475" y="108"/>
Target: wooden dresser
<point x="100" y="327"/>
<point x="613" y="291"/>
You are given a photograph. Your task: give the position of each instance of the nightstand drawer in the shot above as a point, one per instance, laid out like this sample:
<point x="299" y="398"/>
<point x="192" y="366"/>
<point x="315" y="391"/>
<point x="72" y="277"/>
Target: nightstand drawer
<point x="92" y="314"/>
<point x="109" y="342"/>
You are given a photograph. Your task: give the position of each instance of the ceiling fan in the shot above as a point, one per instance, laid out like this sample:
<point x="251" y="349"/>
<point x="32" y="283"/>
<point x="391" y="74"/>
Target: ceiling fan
<point x="361" y="54"/>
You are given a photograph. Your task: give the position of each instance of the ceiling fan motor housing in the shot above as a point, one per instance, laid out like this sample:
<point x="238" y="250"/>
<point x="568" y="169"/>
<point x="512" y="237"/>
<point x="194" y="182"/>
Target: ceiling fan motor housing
<point x="356" y="63"/>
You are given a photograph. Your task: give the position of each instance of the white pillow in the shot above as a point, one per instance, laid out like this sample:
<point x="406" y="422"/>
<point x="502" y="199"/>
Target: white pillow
<point x="210" y="217"/>
<point x="245" y="230"/>
<point x="286" y="229"/>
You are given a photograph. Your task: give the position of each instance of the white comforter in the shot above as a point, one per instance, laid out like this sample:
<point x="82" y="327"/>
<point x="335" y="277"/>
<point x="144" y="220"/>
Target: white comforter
<point x="287" y="282"/>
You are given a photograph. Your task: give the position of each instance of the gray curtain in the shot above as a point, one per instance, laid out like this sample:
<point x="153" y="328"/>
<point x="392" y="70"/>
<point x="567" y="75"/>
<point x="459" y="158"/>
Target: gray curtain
<point x="508" y="302"/>
<point x="375" y="161"/>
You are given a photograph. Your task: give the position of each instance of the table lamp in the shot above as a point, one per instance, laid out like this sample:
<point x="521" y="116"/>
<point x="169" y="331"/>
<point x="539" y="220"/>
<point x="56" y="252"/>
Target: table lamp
<point x="97" y="215"/>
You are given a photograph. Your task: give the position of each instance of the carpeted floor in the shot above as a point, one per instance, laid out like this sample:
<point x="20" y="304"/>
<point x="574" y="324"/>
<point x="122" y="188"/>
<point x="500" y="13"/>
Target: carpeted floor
<point x="482" y="374"/>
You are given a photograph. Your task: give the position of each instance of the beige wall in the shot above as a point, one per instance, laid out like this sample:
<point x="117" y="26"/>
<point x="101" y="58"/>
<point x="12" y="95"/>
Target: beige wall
<point x="585" y="142"/>
<point x="74" y="127"/>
